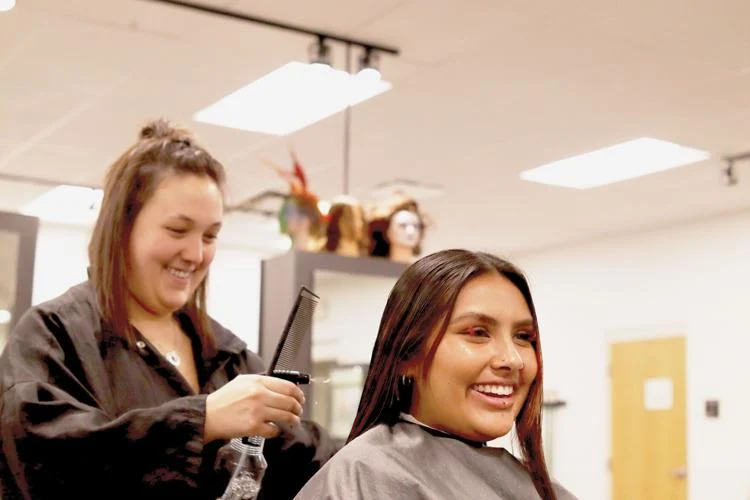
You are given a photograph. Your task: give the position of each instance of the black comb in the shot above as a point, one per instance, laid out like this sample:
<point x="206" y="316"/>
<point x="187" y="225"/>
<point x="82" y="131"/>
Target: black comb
<point x="298" y="325"/>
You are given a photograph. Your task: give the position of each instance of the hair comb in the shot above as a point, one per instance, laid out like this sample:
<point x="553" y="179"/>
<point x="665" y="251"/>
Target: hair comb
<point x="298" y="325"/>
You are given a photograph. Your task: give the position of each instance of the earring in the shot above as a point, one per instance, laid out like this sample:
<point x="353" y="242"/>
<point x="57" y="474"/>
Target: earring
<point x="403" y="386"/>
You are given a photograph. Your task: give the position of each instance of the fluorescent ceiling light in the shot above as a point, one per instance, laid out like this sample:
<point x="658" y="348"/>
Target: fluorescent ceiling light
<point x="6" y="5"/>
<point x="291" y="98"/>
<point x="616" y="163"/>
<point x="66" y="204"/>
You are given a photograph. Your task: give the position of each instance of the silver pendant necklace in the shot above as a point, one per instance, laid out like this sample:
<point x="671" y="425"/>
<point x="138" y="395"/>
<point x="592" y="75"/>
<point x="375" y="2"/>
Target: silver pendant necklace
<point x="173" y="358"/>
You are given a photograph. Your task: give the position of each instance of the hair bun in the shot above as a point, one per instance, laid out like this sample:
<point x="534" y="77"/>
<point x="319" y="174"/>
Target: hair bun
<point x="163" y="129"/>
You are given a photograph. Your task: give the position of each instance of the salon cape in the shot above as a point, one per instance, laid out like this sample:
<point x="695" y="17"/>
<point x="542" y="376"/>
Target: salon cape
<point x="85" y="415"/>
<point x="411" y="461"/>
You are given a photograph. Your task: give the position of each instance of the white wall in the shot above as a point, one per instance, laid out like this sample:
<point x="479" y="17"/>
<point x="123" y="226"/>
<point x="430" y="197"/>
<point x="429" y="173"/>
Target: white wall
<point x="234" y="293"/>
<point x="233" y="288"/>
<point x="694" y="280"/>
<point x="60" y="261"/>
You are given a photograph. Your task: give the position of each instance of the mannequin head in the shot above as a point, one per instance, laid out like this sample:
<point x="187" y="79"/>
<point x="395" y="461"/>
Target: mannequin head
<point x="405" y="229"/>
<point x="300" y="218"/>
<point x="299" y="215"/>
<point x="397" y="230"/>
<point x="346" y="231"/>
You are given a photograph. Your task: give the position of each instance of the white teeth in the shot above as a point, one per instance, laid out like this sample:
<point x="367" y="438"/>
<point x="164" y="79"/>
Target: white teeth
<point x="498" y="390"/>
<point x="179" y="273"/>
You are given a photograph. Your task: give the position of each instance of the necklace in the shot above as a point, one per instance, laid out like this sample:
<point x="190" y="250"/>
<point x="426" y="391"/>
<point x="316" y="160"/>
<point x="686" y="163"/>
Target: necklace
<point x="173" y="358"/>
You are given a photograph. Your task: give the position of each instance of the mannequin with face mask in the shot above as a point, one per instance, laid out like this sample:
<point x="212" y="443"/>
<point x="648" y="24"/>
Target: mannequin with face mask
<point x="396" y="231"/>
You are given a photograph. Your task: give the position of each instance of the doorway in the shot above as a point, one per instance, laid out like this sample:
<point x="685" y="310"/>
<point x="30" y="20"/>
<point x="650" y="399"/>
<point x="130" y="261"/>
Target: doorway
<point x="649" y="451"/>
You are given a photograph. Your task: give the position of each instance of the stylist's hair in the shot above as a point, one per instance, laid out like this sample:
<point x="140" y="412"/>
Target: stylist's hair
<point x="161" y="150"/>
<point x="421" y="301"/>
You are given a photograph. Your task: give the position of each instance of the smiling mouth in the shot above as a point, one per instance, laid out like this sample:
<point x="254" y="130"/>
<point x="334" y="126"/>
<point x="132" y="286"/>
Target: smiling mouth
<point x="179" y="273"/>
<point x="494" y="390"/>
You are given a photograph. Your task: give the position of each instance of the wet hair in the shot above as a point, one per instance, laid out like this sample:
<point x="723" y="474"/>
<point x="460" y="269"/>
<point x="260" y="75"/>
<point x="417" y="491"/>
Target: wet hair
<point x="421" y="302"/>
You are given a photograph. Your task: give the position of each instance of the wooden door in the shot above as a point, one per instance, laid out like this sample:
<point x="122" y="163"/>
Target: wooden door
<point x="649" y="452"/>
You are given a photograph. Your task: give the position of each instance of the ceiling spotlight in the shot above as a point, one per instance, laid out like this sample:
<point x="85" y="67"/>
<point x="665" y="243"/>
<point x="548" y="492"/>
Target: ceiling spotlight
<point x="368" y="64"/>
<point x="320" y="52"/>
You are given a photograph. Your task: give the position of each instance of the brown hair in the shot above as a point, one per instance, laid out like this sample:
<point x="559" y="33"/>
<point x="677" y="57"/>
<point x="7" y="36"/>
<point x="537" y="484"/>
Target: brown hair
<point x="346" y="220"/>
<point x="421" y="300"/>
<point x="130" y="182"/>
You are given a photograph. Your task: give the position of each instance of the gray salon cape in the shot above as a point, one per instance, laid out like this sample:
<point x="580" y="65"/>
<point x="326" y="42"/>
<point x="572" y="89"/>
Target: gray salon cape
<point x="408" y="461"/>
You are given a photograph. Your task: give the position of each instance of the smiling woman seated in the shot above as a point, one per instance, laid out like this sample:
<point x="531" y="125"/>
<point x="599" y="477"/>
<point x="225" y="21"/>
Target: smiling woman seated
<point x="457" y="362"/>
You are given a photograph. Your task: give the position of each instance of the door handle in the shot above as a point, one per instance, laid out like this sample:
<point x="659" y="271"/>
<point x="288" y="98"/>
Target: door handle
<point x="679" y="472"/>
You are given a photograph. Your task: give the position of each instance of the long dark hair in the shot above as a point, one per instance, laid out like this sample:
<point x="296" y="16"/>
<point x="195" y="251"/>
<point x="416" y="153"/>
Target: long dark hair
<point x="131" y="181"/>
<point x="423" y="298"/>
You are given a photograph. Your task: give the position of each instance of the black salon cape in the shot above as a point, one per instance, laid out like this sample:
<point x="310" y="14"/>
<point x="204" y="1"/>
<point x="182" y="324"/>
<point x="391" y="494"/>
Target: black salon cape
<point x="85" y="415"/>
<point x="409" y="462"/>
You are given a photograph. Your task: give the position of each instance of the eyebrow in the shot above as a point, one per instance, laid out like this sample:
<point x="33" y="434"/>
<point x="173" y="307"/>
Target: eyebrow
<point x="484" y="318"/>
<point x="185" y="218"/>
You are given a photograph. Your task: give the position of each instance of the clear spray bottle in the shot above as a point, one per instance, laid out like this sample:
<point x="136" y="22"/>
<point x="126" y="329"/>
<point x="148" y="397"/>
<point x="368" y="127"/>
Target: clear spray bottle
<point x="248" y="460"/>
<point x="249" y="468"/>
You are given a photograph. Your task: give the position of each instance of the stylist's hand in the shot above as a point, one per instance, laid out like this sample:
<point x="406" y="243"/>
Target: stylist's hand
<point x="248" y="404"/>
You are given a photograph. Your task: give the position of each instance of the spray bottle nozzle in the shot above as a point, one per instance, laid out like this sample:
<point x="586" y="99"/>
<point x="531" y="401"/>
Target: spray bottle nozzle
<point x="292" y="376"/>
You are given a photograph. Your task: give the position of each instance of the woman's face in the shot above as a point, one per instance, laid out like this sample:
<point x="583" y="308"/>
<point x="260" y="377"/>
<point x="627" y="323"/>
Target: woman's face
<point x="484" y="365"/>
<point x="173" y="242"/>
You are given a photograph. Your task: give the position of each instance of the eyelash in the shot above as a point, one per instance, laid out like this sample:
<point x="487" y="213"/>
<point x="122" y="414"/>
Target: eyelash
<point x="478" y="331"/>
<point x="527" y="336"/>
<point x="180" y="232"/>
<point x="474" y="330"/>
